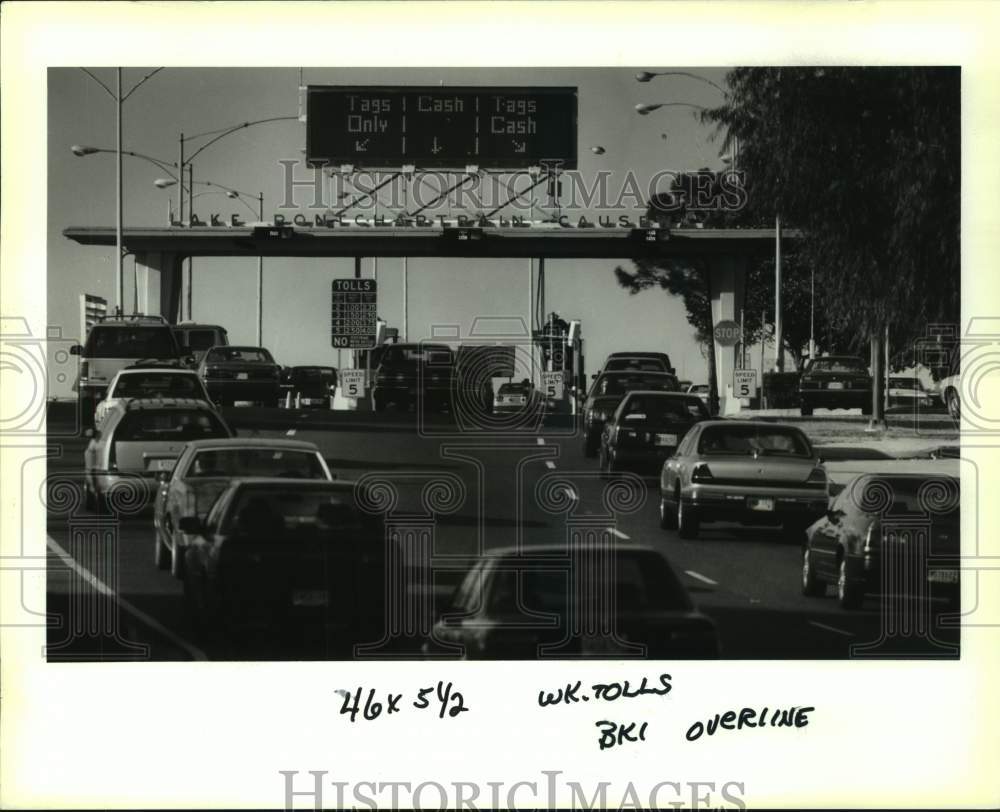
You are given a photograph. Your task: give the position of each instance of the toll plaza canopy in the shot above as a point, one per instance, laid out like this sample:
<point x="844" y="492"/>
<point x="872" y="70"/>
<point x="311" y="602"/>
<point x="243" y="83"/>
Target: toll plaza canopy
<point x="159" y="252"/>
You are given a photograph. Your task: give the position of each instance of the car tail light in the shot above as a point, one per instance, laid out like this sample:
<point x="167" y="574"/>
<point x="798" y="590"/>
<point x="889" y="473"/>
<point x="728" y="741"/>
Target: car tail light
<point x="701" y="473"/>
<point x="871" y="537"/>
<point x="816" y="479"/>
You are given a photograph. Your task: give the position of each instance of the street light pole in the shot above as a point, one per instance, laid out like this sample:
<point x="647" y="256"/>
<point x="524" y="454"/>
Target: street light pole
<point x="260" y="279"/>
<point x="812" y="313"/>
<point x="119" y="259"/>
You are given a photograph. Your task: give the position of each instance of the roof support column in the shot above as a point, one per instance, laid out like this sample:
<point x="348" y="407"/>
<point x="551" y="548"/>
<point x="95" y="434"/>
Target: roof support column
<point x="158" y="281"/>
<point x="727" y="274"/>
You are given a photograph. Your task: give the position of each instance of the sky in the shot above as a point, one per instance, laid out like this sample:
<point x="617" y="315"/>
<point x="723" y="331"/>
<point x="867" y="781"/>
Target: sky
<point x="81" y="192"/>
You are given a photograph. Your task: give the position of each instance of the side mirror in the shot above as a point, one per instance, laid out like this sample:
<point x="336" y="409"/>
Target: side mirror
<point x="76" y="349"/>
<point x="191" y="525"/>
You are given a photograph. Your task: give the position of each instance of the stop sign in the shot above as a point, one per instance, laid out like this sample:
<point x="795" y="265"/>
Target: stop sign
<point x="727" y="333"/>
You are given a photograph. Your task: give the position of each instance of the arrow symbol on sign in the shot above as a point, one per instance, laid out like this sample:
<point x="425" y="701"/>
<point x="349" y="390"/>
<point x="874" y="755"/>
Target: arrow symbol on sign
<point x="361" y="146"/>
<point x="434" y="147"/>
<point x="519" y="146"/>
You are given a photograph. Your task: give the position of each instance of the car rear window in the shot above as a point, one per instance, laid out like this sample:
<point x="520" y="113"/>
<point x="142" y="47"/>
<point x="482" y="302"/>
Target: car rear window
<point x="284" y="509"/>
<point x="639" y="364"/>
<point x="199" y="340"/>
<point x="313" y="374"/>
<point x="106" y="341"/>
<point x="663" y="409"/>
<point x="158" y="384"/>
<point x="635" y="582"/>
<point x="838" y="365"/>
<point x="263" y="462"/>
<point x="169" y="425"/>
<point x="249" y="354"/>
<point x="621" y="383"/>
<point x="768" y="441"/>
<point x="413" y="355"/>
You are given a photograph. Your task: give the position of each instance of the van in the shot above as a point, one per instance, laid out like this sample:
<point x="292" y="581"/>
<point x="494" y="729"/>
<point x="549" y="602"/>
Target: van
<point x="116" y="342"/>
<point x="200" y="337"/>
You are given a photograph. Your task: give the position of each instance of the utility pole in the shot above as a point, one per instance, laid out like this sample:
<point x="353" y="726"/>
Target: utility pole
<point x="119" y="248"/>
<point x="260" y="279"/>
<point x="779" y="355"/>
<point x="812" y="313"/>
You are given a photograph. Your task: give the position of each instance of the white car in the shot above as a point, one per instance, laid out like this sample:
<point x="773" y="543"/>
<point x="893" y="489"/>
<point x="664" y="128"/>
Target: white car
<point x="206" y="468"/>
<point x="699" y="389"/>
<point x="153" y="381"/>
<point x="948" y="390"/>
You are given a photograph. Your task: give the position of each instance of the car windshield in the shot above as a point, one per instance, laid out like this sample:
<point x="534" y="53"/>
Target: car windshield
<point x="263" y="462"/>
<point x="635" y="582"/>
<point x="239" y="355"/>
<point x="838" y="365"/>
<point x="283" y="509"/>
<point x="621" y="383"/>
<point x="653" y="409"/>
<point x="933" y="496"/>
<point x="750" y="440"/>
<point x="169" y="425"/>
<point x="637" y="364"/>
<point x="407" y="354"/>
<point x="158" y="384"/>
<point x="130" y="341"/>
<point x="198" y="340"/>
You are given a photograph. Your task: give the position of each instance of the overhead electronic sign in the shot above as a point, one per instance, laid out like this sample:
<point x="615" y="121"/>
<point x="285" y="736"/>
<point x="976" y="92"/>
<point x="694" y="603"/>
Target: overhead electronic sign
<point x="441" y="127"/>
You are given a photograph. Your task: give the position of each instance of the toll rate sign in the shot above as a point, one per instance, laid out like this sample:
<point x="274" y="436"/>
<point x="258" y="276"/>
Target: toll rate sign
<point x="354" y="305"/>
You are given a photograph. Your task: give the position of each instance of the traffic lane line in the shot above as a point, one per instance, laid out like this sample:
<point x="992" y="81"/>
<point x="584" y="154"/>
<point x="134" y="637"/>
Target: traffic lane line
<point x="699" y="577"/>
<point x="96" y="583"/>
<point x="833" y="629"/>
<point x="614" y="531"/>
<point x="549" y="464"/>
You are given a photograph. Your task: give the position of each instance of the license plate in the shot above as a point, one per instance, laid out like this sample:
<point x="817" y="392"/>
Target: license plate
<point x="765" y="504"/>
<point x="161" y="464"/>
<point x="943" y="576"/>
<point x="242" y="376"/>
<point x="309" y="597"/>
<point x="835" y="385"/>
<point x="666" y="439"/>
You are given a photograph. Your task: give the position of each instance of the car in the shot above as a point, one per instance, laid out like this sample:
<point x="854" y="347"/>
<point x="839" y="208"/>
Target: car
<point x="276" y="555"/>
<point x="908" y="393"/>
<point x="523" y="604"/>
<point x="151" y="381"/>
<point x="887" y="532"/>
<point x="200" y="338"/>
<point x="699" y="389"/>
<point x="116" y="342"/>
<point x="750" y="472"/>
<point x="835" y="382"/>
<point x="646" y="428"/>
<point x="410" y="373"/>
<point x="949" y="393"/>
<point x="606" y="393"/>
<point x="309" y="386"/>
<point x="206" y="467"/>
<point x="233" y="373"/>
<point x="660" y="356"/>
<point x="141" y="438"/>
<point x="633" y="363"/>
<point x="517" y="397"/>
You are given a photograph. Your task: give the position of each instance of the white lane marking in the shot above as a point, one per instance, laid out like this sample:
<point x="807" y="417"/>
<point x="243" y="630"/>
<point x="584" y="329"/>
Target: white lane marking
<point x="290" y="432"/>
<point x="195" y="652"/>
<point x="699" y="577"/>
<point x="571" y="494"/>
<point x="614" y="531"/>
<point x="540" y="441"/>
<point x="833" y="629"/>
<point x="549" y="464"/>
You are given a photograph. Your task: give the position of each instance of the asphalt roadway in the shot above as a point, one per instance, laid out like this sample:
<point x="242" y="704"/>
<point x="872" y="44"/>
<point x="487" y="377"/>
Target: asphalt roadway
<point x="476" y="491"/>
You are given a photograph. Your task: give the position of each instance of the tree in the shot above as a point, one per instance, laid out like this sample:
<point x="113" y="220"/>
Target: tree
<point x="867" y="162"/>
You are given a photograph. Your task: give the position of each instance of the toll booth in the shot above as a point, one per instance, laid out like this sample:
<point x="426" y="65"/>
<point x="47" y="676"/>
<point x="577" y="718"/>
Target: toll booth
<point x="560" y="347"/>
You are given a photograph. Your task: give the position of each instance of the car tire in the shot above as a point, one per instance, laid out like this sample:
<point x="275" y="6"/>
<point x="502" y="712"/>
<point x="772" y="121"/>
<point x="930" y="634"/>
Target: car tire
<point x="668" y="515"/>
<point x="812" y="586"/>
<point x="161" y="557"/>
<point x="687" y="521"/>
<point x="849" y="596"/>
<point x="806" y="410"/>
<point x="953" y="404"/>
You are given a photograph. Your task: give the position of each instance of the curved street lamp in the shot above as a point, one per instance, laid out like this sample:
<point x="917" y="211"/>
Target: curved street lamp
<point x="647" y="76"/>
<point x="646" y="109"/>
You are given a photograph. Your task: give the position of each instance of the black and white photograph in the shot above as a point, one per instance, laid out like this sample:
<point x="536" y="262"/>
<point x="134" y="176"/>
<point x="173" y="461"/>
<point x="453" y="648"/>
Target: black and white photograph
<point x="477" y="393"/>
